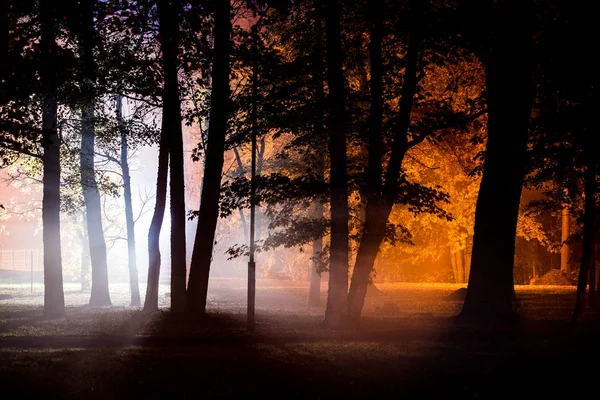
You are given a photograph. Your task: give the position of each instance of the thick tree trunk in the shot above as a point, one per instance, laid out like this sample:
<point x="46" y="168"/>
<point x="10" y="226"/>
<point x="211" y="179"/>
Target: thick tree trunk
<point x="211" y="184"/>
<point x="134" y="287"/>
<point x="565" y="233"/>
<point x="169" y="29"/>
<point x="381" y="200"/>
<point x="151" y="301"/>
<point x="54" y="298"/>
<point x="589" y="222"/>
<point x="337" y="297"/>
<point x="100" y="294"/>
<point x="509" y="90"/>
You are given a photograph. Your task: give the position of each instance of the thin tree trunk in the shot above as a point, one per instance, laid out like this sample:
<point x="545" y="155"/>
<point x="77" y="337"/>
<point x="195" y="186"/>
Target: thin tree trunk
<point x="211" y="183"/>
<point x="100" y="296"/>
<point x="240" y="171"/>
<point x="565" y="233"/>
<point x="589" y="221"/>
<point x="381" y="200"/>
<point x="134" y="287"/>
<point x="335" y="313"/>
<point x="509" y="90"/>
<point x="169" y="29"/>
<point x="314" y="290"/>
<point x="85" y="256"/>
<point x="151" y="301"/>
<point x="454" y="267"/>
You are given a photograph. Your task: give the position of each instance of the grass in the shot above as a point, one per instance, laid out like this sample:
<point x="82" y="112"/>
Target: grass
<point x="412" y="349"/>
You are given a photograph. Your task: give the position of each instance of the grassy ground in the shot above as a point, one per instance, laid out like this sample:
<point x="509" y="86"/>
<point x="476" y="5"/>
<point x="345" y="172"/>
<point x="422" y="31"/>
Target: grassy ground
<point x="407" y="345"/>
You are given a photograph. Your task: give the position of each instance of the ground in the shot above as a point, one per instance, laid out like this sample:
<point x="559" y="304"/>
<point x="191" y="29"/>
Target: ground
<point x="407" y="345"/>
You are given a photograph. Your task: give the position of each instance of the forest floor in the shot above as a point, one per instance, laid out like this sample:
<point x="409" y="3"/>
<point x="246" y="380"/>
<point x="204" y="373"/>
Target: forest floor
<point x="407" y="345"/>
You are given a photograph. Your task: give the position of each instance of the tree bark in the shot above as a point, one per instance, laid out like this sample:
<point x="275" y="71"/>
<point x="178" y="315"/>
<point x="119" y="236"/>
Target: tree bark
<point x="134" y="287"/>
<point x="314" y="290"/>
<point x="54" y="299"/>
<point x="335" y="313"/>
<point x="85" y="256"/>
<point x="211" y="183"/>
<point x="154" y="260"/>
<point x="565" y="248"/>
<point x="100" y="296"/>
<point x="509" y="98"/>
<point x="169" y="29"/>
<point x="589" y="222"/>
<point x="380" y="200"/>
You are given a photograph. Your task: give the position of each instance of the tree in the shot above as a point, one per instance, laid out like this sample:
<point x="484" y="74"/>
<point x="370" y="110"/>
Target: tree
<point x="134" y="287"/>
<point x="169" y="26"/>
<point x="211" y="182"/>
<point x="338" y="264"/>
<point x="100" y="293"/>
<point x="54" y="300"/>
<point x="506" y="29"/>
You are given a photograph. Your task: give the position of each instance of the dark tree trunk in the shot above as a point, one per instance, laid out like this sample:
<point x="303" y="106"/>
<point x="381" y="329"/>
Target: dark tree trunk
<point x="151" y="301"/>
<point x="211" y="184"/>
<point x="589" y="222"/>
<point x="54" y="298"/>
<point x="380" y="200"/>
<point x="337" y="296"/>
<point x="509" y="98"/>
<point x="565" y="248"/>
<point x="314" y="290"/>
<point x="134" y="287"/>
<point x="85" y="256"/>
<point x="169" y="30"/>
<point x="100" y="294"/>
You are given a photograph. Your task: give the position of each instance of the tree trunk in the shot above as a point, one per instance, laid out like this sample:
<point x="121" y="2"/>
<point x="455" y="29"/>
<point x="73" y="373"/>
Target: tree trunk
<point x="240" y="171"/>
<point x="589" y="222"/>
<point x="134" y="287"/>
<point x="335" y="313"/>
<point x="509" y="90"/>
<point x="169" y="30"/>
<point x="54" y="298"/>
<point x="565" y="233"/>
<point x="211" y="184"/>
<point x="100" y="294"/>
<point x="314" y="290"/>
<point x="454" y="267"/>
<point x="85" y="256"/>
<point x="151" y="301"/>
<point x="380" y="200"/>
